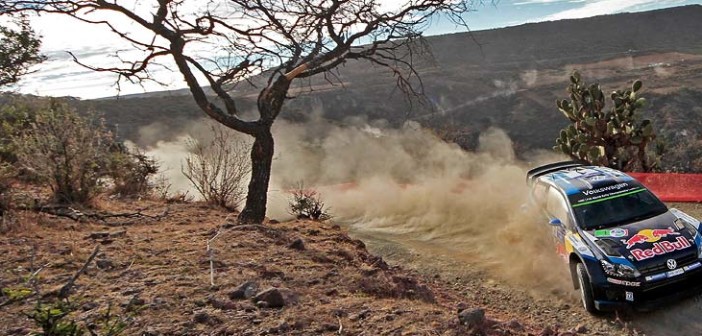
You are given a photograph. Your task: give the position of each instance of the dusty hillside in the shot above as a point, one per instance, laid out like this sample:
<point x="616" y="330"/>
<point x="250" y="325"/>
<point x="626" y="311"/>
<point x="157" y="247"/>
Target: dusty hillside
<point x="155" y="274"/>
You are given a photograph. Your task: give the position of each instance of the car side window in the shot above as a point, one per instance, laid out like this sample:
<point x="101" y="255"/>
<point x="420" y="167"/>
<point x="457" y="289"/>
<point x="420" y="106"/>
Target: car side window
<point x="557" y="207"/>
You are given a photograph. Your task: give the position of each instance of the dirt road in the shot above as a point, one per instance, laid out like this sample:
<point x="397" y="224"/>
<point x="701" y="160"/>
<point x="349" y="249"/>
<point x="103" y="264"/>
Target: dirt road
<point x="540" y="298"/>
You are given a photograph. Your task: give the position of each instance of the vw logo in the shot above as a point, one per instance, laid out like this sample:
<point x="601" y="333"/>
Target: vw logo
<point x="671" y="264"/>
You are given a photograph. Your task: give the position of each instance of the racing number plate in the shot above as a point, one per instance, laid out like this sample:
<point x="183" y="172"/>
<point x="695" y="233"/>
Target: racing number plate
<point x="675" y="272"/>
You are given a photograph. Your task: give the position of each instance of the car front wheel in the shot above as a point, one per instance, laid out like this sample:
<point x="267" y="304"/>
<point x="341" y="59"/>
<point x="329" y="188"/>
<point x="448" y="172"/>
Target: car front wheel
<point x="585" y="288"/>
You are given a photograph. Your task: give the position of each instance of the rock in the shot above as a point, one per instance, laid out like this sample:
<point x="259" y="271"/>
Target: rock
<point x="328" y="327"/>
<point x="275" y="298"/>
<point x="104" y="264"/>
<point x="472" y="318"/>
<point x="297" y="244"/>
<point x="89" y="306"/>
<point x="221" y="304"/>
<point x="201" y="317"/>
<point x="515" y="325"/>
<point x="117" y="234"/>
<point x="246" y="290"/>
<point x="150" y="331"/>
<point x="247" y="307"/>
<point x="98" y="235"/>
<point x="283" y="326"/>
<point x="547" y="332"/>
<point x="361" y="315"/>
<point x="581" y="329"/>
<point x="272" y="297"/>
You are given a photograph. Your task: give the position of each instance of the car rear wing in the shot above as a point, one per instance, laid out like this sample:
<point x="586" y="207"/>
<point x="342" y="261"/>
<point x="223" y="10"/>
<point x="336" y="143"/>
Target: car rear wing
<point x="534" y="173"/>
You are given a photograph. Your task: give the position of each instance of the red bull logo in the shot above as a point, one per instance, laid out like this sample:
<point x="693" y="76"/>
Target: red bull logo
<point x="661" y="248"/>
<point x="649" y="236"/>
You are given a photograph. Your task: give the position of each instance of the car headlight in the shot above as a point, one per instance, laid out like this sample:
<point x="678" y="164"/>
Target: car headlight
<point x="618" y="270"/>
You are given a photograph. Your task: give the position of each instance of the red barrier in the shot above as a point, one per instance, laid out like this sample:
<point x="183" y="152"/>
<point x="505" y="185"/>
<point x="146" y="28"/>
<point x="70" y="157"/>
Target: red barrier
<point x="671" y="187"/>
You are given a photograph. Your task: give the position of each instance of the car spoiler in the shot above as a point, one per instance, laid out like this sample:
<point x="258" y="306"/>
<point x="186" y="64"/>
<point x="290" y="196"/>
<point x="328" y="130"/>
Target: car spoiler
<point x="534" y="173"/>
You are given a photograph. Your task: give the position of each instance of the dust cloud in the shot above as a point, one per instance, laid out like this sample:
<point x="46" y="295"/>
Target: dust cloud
<point x="407" y="185"/>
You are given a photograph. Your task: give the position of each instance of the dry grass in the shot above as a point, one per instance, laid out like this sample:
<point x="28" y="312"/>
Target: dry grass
<point x="157" y="276"/>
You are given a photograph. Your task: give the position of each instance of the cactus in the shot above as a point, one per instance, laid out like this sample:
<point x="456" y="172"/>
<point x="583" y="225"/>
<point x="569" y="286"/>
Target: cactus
<point x="613" y="138"/>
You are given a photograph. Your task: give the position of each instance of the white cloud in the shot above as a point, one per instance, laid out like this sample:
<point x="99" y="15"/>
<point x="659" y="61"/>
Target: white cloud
<point x="602" y="7"/>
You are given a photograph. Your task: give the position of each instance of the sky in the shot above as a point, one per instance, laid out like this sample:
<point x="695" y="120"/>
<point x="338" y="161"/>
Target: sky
<point x="61" y="76"/>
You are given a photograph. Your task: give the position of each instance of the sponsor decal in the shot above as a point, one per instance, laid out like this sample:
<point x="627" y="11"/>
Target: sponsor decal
<point x="669" y="274"/>
<point x="574" y="243"/>
<point x="675" y="272"/>
<point x="624" y="282"/>
<point x="614" y="187"/>
<point x="656" y="277"/>
<point x="661" y="248"/>
<point x="614" y="233"/>
<point x="648" y="236"/>
<point x="693" y="266"/>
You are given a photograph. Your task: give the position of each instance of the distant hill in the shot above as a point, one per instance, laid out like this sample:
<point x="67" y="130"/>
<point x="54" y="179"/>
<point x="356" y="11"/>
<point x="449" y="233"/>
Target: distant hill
<point x="509" y="78"/>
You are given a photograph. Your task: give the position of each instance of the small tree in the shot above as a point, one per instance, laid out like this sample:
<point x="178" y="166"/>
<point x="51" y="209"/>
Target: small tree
<point x="19" y="50"/>
<point x="67" y="151"/>
<point x="218" y="167"/>
<point x="613" y="138"/>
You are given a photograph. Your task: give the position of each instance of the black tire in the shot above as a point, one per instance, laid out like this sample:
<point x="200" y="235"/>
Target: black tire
<point x="585" y="288"/>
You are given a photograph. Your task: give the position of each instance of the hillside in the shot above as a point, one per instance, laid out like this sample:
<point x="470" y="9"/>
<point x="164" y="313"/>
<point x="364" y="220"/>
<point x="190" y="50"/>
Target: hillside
<point x="509" y="78"/>
<point x="188" y="271"/>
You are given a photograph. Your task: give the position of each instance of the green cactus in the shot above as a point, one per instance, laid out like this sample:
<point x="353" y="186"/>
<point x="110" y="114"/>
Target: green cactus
<point x="611" y="137"/>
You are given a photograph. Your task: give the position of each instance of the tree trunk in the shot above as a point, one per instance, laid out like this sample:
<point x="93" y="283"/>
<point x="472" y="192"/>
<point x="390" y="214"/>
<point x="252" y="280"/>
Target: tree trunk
<point x="261" y="159"/>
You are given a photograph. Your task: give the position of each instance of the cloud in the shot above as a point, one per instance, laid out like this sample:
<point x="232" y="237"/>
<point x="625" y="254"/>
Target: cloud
<point x="603" y="7"/>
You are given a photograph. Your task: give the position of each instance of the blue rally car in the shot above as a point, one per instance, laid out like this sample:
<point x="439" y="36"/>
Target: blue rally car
<point x="623" y="245"/>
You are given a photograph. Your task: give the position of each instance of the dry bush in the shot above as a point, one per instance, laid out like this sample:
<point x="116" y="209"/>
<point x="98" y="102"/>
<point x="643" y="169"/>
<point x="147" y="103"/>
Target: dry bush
<point x="218" y="167"/>
<point x="307" y="204"/>
<point x="131" y="171"/>
<point x="66" y="151"/>
<point x="6" y="177"/>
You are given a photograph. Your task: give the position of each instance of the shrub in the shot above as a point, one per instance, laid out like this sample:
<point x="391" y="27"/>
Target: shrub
<point x="307" y="204"/>
<point x="66" y="151"/>
<point x="6" y="176"/>
<point x="218" y="167"/>
<point x="16" y="115"/>
<point x="130" y="171"/>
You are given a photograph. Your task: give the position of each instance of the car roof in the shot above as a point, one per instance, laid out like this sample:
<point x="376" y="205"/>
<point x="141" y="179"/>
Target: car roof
<point x="576" y="179"/>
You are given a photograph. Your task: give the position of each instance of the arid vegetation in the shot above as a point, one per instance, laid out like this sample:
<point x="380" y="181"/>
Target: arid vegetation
<point x="217" y="165"/>
<point x="615" y="138"/>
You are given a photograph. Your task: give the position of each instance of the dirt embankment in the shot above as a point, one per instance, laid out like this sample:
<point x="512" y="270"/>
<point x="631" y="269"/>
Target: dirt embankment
<point x="294" y="278"/>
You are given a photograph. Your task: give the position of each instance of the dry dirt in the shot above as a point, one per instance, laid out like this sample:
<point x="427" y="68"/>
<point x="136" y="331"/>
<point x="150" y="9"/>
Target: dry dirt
<point x="155" y="276"/>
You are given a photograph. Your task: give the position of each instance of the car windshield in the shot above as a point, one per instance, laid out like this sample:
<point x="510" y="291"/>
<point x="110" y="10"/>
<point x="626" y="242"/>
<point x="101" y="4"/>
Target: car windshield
<point x="618" y="210"/>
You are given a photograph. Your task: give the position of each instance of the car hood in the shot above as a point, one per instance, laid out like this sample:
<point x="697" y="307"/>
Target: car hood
<point x="646" y="241"/>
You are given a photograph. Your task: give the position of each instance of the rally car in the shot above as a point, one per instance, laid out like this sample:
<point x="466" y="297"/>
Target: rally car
<point x="623" y="245"/>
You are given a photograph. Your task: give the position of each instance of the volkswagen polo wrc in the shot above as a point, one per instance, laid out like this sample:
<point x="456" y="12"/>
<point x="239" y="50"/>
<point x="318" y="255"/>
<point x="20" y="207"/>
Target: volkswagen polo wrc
<point x="623" y="245"/>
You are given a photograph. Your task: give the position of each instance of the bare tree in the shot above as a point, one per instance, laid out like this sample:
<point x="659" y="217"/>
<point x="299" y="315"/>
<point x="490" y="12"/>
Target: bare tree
<point x="283" y="40"/>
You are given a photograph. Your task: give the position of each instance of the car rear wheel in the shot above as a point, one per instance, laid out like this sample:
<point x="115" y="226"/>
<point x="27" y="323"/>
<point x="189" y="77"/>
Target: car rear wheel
<point x="585" y="288"/>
